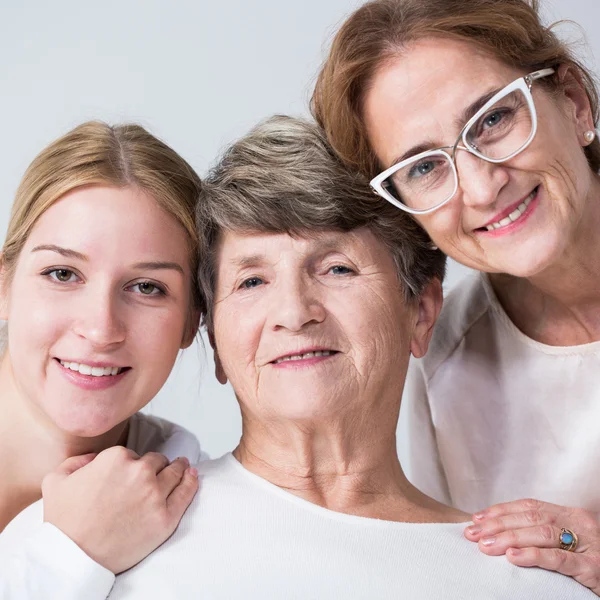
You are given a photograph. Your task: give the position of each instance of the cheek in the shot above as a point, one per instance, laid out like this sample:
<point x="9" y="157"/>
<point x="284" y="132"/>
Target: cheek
<point x="376" y="325"/>
<point x="35" y="321"/>
<point x="238" y="332"/>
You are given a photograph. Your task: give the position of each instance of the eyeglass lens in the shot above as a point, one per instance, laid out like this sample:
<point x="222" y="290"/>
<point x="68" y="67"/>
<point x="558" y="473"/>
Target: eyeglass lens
<point x="502" y="131"/>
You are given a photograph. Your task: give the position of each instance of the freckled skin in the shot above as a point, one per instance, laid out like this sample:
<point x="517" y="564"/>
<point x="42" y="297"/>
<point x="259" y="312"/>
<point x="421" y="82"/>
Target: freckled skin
<point x="414" y="99"/>
<point x="304" y="301"/>
<point x="100" y="315"/>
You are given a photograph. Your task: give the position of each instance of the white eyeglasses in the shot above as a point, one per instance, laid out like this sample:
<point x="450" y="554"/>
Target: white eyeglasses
<point x="502" y="128"/>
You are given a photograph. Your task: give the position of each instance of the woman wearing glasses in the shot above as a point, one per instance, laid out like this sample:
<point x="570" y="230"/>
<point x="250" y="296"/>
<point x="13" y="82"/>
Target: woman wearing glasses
<point x="477" y="120"/>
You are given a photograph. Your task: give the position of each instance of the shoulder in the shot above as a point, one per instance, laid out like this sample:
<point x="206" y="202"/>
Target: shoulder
<point x="152" y="434"/>
<point x="464" y="306"/>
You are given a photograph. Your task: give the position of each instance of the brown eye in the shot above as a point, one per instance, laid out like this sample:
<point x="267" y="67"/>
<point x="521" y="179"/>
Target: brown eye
<point x="62" y="275"/>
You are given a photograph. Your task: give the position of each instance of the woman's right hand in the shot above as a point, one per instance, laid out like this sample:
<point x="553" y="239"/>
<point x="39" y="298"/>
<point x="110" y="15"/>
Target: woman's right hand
<point x="116" y="506"/>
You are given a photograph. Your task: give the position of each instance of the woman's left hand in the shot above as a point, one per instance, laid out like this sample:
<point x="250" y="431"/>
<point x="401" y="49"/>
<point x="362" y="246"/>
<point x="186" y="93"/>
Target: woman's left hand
<point x="528" y="532"/>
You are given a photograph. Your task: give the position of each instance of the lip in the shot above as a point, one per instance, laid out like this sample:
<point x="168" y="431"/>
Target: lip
<point x="89" y="382"/>
<point x="90" y="363"/>
<point x="303" y="362"/>
<point x="516" y="224"/>
<point x="507" y="211"/>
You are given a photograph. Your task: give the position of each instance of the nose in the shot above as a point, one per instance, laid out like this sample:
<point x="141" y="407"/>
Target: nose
<point x="479" y="180"/>
<point x="99" y="320"/>
<point x="296" y="304"/>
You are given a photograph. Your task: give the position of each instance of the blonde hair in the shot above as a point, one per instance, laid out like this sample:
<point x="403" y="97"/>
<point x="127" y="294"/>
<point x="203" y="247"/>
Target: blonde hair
<point x="379" y="31"/>
<point x="95" y="153"/>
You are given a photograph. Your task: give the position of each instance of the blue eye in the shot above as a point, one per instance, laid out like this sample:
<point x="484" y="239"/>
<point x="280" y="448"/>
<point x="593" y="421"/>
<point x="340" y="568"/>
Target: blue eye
<point x="422" y="168"/>
<point x="341" y="270"/>
<point x="252" y="282"/>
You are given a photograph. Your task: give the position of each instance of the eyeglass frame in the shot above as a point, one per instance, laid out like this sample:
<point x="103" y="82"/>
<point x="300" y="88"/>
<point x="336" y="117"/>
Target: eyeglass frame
<point x="522" y="83"/>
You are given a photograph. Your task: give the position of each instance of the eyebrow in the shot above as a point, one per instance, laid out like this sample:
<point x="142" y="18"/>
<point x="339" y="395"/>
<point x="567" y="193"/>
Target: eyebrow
<point x="460" y="122"/>
<point x="158" y="265"/>
<point x="66" y="252"/>
<point x="147" y="266"/>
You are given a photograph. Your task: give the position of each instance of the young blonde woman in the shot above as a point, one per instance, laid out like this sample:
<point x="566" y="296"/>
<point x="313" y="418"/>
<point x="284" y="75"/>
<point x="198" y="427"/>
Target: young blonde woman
<point x="98" y="293"/>
<point x="476" y="119"/>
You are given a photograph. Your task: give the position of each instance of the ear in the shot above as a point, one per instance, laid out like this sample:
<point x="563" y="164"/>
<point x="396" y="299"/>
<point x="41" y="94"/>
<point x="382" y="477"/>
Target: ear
<point x="578" y="101"/>
<point x="429" y="307"/>
<point x="191" y="329"/>
<point x="219" y="371"/>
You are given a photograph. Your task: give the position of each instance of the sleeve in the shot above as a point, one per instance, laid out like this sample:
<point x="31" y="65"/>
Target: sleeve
<point x="48" y="565"/>
<point x="417" y="444"/>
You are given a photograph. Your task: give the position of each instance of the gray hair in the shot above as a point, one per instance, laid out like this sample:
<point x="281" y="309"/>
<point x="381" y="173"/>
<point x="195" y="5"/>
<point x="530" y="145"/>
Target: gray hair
<point x="283" y="177"/>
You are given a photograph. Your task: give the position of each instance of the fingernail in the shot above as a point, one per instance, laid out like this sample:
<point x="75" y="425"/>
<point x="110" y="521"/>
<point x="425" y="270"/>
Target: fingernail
<point x="194" y="472"/>
<point x="479" y="516"/>
<point x="184" y="459"/>
<point x="488" y="541"/>
<point x="474" y="529"/>
<point x="515" y="551"/>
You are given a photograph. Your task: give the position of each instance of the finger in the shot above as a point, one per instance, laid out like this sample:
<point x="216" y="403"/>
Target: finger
<point x="171" y="475"/>
<point x="156" y="461"/>
<point x="66" y="468"/>
<point x="545" y="536"/>
<point x="74" y="463"/>
<point x="494" y="526"/>
<point x="567" y="563"/>
<point x="517" y="506"/>
<point x="181" y="497"/>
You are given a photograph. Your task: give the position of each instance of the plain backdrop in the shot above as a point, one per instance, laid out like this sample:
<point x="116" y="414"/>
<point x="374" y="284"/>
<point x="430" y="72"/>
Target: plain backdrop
<point x="198" y="74"/>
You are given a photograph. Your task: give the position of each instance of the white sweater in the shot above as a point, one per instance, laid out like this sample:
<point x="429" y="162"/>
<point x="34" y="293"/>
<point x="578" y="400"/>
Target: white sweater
<point x="39" y="562"/>
<point x="490" y="415"/>
<point x="245" y="538"/>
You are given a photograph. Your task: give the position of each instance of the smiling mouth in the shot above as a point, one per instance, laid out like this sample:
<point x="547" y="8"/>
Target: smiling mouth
<point x="515" y="215"/>
<point x="84" y="369"/>
<point x="304" y="356"/>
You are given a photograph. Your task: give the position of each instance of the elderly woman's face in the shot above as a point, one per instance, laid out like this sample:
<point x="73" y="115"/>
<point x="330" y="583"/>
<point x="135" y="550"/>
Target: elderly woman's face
<point x="420" y="100"/>
<point x="305" y="327"/>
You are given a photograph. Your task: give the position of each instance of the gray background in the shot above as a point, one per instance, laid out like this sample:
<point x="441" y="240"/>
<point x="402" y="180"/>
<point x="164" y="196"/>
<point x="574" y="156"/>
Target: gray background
<point x="196" y="73"/>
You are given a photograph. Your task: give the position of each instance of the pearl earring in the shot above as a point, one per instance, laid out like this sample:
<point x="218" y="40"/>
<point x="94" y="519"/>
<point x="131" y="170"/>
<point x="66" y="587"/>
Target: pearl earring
<point x="589" y="136"/>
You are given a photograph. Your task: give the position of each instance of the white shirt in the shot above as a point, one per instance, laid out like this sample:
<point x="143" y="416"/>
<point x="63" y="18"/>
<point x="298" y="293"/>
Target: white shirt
<point x="38" y="561"/>
<point x="490" y="415"/>
<point x="245" y="538"/>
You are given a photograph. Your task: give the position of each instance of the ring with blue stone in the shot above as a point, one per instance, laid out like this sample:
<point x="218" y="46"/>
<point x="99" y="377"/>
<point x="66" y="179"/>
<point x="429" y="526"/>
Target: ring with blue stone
<point x="567" y="540"/>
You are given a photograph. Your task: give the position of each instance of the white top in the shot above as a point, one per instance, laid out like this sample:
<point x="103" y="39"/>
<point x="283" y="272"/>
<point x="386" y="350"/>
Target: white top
<point x="490" y="415"/>
<point x="245" y="538"/>
<point x="39" y="562"/>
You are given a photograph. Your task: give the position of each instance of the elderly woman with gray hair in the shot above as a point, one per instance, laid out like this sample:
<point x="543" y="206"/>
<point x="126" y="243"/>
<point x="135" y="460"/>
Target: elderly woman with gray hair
<point x="317" y="292"/>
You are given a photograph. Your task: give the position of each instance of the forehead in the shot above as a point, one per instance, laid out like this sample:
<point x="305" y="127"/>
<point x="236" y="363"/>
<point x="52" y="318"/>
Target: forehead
<point x="239" y="249"/>
<point x="422" y="91"/>
<point x="108" y="222"/>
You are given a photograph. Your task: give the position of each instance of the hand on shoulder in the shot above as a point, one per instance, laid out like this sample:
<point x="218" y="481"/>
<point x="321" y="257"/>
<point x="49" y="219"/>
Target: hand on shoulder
<point x="116" y="506"/>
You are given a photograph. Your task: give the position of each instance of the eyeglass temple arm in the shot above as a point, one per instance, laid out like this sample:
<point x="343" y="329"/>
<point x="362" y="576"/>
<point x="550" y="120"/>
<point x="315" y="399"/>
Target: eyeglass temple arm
<point x="529" y="79"/>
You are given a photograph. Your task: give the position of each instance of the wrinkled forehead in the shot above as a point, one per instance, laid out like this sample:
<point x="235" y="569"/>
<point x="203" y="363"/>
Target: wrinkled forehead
<point x="420" y="97"/>
<point x="236" y="250"/>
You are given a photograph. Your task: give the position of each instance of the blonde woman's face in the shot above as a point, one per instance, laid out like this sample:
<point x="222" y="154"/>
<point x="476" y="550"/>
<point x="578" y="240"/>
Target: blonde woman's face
<point x="422" y="101"/>
<point x="97" y="309"/>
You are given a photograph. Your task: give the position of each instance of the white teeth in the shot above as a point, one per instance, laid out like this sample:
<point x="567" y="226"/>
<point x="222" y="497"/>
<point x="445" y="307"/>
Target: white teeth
<point x="304" y="356"/>
<point x="88" y="370"/>
<point x="514" y="215"/>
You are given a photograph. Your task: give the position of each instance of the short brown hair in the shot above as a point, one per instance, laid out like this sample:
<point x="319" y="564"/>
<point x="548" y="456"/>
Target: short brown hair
<point x="283" y="177"/>
<point x="95" y="153"/>
<point x="509" y="30"/>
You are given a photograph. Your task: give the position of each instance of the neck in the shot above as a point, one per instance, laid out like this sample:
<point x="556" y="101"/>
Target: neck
<point x="337" y="465"/>
<point x="31" y="446"/>
<point x="560" y="305"/>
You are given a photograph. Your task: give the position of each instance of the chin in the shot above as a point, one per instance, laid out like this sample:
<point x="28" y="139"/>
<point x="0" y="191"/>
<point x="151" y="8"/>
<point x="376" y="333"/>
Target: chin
<point x="86" y="422"/>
